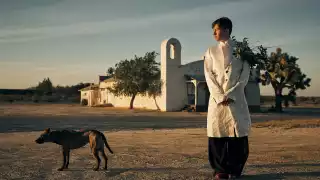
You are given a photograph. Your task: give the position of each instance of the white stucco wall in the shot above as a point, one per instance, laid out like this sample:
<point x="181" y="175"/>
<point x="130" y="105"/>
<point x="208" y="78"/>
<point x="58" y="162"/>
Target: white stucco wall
<point x="91" y="95"/>
<point x="140" y="101"/>
<point x="143" y="102"/>
<point x="174" y="90"/>
<point x="84" y="94"/>
<point x="252" y="92"/>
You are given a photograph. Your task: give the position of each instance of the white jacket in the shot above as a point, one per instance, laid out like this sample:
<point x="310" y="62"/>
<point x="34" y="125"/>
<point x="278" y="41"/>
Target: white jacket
<point x="233" y="120"/>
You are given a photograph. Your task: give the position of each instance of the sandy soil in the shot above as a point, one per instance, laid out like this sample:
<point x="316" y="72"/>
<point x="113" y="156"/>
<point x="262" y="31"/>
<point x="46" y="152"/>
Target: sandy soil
<point x="152" y="145"/>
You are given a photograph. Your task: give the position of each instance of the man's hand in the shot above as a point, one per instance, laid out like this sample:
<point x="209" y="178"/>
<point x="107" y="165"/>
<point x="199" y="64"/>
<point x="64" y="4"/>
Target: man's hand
<point x="227" y="101"/>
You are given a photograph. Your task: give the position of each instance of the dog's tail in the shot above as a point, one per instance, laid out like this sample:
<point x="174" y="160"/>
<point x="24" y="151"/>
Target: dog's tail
<point x="106" y="142"/>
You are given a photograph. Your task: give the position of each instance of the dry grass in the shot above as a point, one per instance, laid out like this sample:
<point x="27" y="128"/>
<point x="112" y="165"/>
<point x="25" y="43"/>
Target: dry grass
<point x="289" y="124"/>
<point x="276" y="152"/>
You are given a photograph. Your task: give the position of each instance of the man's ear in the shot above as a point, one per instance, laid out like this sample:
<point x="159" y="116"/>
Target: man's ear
<point x="227" y="30"/>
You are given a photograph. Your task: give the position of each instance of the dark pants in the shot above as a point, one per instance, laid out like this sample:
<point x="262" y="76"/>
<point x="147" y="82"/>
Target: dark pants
<point x="228" y="154"/>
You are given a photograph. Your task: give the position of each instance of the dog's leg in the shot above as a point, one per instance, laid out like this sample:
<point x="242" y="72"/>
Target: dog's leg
<point x="64" y="153"/>
<point x="105" y="160"/>
<point x="68" y="158"/>
<point x="98" y="160"/>
<point x="91" y="147"/>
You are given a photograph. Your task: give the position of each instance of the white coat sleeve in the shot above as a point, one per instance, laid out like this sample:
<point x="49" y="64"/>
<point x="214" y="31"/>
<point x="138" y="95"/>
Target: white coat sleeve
<point x="243" y="81"/>
<point x="213" y="86"/>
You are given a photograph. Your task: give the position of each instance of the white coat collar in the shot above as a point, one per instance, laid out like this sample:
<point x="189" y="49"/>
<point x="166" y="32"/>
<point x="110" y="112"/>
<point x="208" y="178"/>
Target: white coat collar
<point x="226" y="43"/>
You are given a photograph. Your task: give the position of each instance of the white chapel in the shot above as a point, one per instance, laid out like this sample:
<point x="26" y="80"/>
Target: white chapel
<point x="184" y="86"/>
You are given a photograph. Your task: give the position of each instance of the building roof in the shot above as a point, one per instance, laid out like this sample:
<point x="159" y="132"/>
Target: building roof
<point x="91" y="87"/>
<point x="193" y="62"/>
<point x="110" y="79"/>
<point x="102" y="78"/>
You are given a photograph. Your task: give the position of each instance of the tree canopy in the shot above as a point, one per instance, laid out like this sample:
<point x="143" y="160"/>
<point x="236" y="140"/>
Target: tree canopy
<point x="44" y="87"/>
<point x="278" y="69"/>
<point x="282" y="71"/>
<point x="255" y="56"/>
<point x="140" y="75"/>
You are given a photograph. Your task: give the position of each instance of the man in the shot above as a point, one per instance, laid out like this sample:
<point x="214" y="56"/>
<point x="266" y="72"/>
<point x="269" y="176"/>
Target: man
<point x="228" y="119"/>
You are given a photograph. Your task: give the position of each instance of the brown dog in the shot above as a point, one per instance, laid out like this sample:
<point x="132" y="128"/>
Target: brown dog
<point x="76" y="139"/>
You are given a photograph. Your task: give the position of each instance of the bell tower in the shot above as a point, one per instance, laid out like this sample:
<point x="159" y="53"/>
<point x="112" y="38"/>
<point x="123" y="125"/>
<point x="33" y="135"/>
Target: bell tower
<point x="174" y="91"/>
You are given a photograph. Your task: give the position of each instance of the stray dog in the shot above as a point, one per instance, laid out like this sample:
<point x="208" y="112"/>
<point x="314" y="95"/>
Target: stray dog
<point x="69" y="140"/>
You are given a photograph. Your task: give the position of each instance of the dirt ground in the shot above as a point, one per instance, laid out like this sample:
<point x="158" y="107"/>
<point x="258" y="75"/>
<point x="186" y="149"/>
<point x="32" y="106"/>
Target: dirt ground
<point x="152" y="145"/>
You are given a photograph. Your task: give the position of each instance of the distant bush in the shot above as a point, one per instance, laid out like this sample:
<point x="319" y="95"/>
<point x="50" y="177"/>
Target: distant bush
<point x="35" y="98"/>
<point x="10" y="98"/>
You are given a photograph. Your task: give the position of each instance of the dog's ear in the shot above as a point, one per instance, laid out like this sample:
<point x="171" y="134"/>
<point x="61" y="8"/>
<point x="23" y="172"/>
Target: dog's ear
<point x="47" y="130"/>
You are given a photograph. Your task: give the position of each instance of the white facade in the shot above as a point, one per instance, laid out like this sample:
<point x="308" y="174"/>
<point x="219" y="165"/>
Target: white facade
<point x="183" y="85"/>
<point x="140" y="101"/>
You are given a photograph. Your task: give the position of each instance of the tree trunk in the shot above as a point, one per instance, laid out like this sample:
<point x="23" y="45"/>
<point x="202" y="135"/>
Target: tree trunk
<point x="278" y="103"/>
<point x="155" y="101"/>
<point x="132" y="100"/>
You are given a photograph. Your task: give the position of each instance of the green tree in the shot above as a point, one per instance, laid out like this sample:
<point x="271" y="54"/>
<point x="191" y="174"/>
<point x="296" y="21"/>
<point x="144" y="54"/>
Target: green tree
<point x="110" y="71"/>
<point x="282" y="71"/>
<point x="45" y="87"/>
<point x="279" y="69"/>
<point x="70" y="90"/>
<point x="255" y="56"/>
<point x="135" y="76"/>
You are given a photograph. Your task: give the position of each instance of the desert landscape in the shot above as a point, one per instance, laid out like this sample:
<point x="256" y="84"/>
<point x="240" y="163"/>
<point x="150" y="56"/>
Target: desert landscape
<point x="153" y="145"/>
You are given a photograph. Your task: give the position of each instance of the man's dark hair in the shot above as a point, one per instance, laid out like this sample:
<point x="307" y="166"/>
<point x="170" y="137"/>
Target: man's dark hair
<point x="223" y="22"/>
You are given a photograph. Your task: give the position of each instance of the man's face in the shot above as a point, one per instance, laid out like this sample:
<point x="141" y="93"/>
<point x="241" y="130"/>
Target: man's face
<point x="220" y="34"/>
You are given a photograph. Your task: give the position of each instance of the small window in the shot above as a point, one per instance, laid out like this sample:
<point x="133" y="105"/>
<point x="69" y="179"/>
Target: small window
<point x="172" y="51"/>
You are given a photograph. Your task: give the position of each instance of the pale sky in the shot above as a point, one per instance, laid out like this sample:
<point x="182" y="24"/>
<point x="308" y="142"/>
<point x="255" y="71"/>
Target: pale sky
<point x="74" y="41"/>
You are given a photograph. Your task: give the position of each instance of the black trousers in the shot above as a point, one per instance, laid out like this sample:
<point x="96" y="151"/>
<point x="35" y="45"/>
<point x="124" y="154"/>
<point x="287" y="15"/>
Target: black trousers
<point x="228" y="154"/>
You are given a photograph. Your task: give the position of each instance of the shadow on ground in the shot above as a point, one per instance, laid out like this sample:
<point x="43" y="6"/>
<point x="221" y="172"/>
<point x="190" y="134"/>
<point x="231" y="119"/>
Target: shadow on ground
<point x="265" y="176"/>
<point x="287" y="175"/>
<point x="283" y="175"/>
<point x="280" y="165"/>
<point x="129" y="120"/>
<point x="103" y="123"/>
<point x="27" y="123"/>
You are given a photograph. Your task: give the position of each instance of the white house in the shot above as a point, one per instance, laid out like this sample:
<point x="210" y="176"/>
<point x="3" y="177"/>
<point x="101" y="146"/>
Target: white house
<point x="184" y="85"/>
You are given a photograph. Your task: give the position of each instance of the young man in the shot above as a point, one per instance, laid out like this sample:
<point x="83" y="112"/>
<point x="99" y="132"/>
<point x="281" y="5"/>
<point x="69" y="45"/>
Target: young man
<point x="228" y="119"/>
